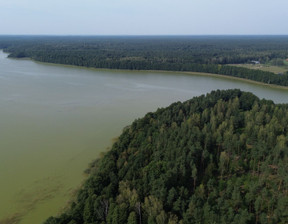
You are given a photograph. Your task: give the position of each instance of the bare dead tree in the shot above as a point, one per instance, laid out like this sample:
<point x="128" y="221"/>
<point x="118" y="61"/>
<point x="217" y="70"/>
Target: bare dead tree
<point x="138" y="210"/>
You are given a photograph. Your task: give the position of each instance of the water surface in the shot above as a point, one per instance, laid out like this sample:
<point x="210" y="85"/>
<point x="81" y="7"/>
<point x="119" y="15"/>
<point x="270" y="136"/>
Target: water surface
<point x="54" y="120"/>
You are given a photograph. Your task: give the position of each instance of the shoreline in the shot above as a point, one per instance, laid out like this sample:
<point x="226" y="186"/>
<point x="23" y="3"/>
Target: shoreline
<point x="165" y="71"/>
<point x="156" y="71"/>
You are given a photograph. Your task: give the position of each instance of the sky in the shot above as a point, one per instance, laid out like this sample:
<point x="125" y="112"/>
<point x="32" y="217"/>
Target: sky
<point x="144" y="17"/>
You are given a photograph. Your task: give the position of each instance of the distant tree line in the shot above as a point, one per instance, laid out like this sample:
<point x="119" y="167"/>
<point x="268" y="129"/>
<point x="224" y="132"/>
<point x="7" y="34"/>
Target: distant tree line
<point x="219" y="158"/>
<point x="209" y="54"/>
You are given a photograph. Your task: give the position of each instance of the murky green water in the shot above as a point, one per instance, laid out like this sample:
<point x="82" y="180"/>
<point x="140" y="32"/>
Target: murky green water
<point x="54" y="120"/>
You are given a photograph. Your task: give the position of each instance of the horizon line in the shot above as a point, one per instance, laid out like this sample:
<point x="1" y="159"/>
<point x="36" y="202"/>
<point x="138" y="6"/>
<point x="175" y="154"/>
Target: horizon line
<point x="139" y="35"/>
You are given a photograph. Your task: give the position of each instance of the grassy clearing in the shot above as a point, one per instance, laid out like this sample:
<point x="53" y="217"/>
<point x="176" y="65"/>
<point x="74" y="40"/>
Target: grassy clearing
<point x="264" y="67"/>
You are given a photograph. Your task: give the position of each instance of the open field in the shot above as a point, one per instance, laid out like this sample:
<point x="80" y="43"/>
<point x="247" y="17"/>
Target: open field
<point x="265" y="67"/>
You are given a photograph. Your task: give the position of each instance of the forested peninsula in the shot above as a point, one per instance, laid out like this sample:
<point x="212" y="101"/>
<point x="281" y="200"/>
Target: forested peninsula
<point x="207" y="54"/>
<point x="217" y="158"/>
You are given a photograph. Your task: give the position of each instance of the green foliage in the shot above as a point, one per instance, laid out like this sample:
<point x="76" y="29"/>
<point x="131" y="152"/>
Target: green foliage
<point x="277" y="62"/>
<point x="219" y="158"/>
<point x="132" y="219"/>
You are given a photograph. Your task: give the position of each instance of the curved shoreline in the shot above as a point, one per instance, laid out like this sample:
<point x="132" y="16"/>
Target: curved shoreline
<point x="158" y="71"/>
<point x="166" y="71"/>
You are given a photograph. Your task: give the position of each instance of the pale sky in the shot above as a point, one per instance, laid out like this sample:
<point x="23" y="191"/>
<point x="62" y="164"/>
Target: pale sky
<point x="143" y="17"/>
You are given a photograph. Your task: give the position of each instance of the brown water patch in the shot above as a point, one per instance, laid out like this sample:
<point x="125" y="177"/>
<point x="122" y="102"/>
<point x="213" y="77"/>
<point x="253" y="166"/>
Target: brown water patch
<point x="40" y="191"/>
<point x="13" y="219"/>
<point x="29" y="197"/>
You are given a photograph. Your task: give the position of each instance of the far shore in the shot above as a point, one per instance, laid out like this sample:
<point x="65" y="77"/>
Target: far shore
<point x="158" y="71"/>
<point x="166" y="71"/>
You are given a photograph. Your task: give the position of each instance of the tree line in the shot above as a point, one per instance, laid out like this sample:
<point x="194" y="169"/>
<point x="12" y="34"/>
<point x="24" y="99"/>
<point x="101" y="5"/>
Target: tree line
<point x="209" y="54"/>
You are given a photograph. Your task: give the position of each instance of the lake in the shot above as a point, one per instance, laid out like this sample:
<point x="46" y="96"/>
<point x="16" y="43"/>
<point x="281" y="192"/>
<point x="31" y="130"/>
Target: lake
<point x="54" y="120"/>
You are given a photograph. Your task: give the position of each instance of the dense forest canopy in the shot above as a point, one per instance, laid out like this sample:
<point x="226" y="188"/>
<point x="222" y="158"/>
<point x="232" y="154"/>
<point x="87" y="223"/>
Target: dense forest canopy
<point x="192" y="49"/>
<point x="209" y="54"/>
<point x="219" y="158"/>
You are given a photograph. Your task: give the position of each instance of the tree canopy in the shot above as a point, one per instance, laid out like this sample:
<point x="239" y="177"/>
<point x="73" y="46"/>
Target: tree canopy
<point x="217" y="158"/>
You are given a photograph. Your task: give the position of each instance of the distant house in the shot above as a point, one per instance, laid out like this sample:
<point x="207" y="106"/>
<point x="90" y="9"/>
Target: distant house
<point x="256" y="62"/>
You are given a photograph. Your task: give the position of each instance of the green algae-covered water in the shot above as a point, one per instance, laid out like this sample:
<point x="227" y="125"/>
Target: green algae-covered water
<point x="54" y="120"/>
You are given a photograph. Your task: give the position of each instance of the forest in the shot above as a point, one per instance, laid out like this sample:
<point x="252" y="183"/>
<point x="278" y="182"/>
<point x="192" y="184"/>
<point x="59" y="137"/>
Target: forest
<point x="217" y="158"/>
<point x="208" y="54"/>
